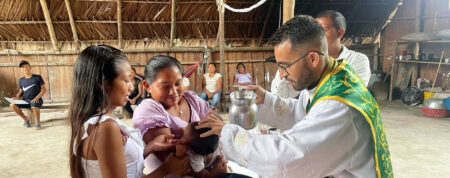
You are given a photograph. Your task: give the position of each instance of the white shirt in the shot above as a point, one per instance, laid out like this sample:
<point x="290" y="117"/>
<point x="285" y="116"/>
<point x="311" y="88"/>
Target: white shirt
<point x="358" y="61"/>
<point x="133" y="150"/>
<point x="211" y="82"/>
<point x="333" y="139"/>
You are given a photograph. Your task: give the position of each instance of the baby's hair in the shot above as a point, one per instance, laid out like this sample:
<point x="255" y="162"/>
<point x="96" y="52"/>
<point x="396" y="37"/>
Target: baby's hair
<point x="203" y="146"/>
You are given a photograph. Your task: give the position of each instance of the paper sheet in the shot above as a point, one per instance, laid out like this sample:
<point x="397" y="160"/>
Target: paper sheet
<point x="13" y="101"/>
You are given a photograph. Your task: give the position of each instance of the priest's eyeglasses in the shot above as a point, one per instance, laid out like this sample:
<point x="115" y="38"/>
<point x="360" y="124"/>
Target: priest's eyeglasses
<point x="289" y="65"/>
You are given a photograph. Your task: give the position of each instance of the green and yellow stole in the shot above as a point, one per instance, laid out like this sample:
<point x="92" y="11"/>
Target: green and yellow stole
<point x="340" y="83"/>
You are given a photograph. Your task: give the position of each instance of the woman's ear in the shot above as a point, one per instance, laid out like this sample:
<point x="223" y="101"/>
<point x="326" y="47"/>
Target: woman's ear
<point x="146" y="86"/>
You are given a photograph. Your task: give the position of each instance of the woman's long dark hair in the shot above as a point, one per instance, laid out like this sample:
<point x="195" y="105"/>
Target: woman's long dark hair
<point x="96" y="67"/>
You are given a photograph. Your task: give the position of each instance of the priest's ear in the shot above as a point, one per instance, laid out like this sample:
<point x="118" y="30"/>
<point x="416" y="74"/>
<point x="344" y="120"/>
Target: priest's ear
<point x="314" y="58"/>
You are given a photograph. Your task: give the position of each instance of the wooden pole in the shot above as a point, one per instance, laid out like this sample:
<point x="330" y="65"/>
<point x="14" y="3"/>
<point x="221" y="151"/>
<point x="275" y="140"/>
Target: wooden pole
<point x="288" y="10"/>
<point x="173" y="22"/>
<point x="119" y="23"/>
<point x="48" y="21"/>
<point x="261" y="36"/>
<point x="72" y="24"/>
<point x="221" y="35"/>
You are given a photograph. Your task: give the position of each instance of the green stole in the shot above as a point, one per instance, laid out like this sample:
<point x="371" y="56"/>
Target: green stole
<point x="340" y="83"/>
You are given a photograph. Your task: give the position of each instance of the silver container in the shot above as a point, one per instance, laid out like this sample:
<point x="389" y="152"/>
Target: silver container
<point x="242" y="109"/>
<point x="434" y="103"/>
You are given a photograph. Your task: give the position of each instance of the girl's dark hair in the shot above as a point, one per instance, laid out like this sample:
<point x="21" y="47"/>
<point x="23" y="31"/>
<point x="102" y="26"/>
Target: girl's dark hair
<point x="95" y="69"/>
<point x="240" y="64"/>
<point x="212" y="64"/>
<point x="157" y="63"/>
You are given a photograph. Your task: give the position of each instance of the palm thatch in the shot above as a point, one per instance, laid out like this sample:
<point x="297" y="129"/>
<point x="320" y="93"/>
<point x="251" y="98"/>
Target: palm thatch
<point x="196" y="20"/>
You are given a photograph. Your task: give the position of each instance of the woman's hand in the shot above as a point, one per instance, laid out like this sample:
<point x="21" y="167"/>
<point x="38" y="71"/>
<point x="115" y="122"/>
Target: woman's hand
<point x="260" y="93"/>
<point x="213" y="121"/>
<point x="176" y="165"/>
<point x="160" y="143"/>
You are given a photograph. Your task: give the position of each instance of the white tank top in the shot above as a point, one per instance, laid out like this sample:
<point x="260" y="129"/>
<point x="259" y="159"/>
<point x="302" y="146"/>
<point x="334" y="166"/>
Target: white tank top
<point x="133" y="150"/>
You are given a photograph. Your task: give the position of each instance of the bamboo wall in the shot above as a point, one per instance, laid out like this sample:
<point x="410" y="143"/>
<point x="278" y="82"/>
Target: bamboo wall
<point x="56" y="69"/>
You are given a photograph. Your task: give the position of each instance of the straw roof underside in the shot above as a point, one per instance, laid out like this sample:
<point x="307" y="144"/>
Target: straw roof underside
<point x="23" y="20"/>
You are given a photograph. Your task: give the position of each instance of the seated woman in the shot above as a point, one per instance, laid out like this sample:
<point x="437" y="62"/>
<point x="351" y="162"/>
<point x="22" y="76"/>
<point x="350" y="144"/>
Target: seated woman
<point x="241" y="77"/>
<point x="136" y="94"/>
<point x="101" y="145"/>
<point x="212" y="86"/>
<point x="170" y="108"/>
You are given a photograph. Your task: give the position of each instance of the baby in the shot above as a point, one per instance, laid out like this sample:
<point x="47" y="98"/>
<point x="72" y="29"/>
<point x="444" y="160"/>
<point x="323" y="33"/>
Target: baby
<point x="202" y="152"/>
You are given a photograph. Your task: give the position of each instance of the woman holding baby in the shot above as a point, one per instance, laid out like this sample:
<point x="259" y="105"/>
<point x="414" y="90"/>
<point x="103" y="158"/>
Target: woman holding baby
<point x="171" y="110"/>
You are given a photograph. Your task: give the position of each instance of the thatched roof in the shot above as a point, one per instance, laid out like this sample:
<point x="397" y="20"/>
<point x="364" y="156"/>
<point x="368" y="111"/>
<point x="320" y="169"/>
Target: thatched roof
<point x="24" y="20"/>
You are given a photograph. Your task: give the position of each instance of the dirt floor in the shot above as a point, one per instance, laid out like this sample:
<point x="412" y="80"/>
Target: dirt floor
<point x="419" y="145"/>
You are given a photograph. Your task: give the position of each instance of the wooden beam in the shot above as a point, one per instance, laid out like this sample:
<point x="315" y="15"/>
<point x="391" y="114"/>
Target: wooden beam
<point x="173" y="22"/>
<point x="126" y="22"/>
<point x="48" y="21"/>
<point x="261" y="36"/>
<point x="221" y="36"/>
<point x="119" y="23"/>
<point x="72" y="24"/>
<point x="165" y="2"/>
<point x="288" y="10"/>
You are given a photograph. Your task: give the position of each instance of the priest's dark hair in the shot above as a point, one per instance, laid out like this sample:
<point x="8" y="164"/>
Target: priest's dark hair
<point x="336" y="17"/>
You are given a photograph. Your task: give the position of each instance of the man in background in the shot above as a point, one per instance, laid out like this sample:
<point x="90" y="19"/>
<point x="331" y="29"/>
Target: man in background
<point x="31" y="90"/>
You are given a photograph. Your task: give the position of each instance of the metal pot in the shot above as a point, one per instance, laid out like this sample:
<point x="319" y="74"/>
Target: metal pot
<point x="243" y="108"/>
<point x="434" y="103"/>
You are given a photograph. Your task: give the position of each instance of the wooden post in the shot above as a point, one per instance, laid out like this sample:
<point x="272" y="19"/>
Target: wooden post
<point x="72" y="24"/>
<point x="221" y="35"/>
<point x="119" y="23"/>
<point x="265" y="23"/>
<point x="173" y="22"/>
<point x="415" y="67"/>
<point x="48" y="21"/>
<point x="288" y="10"/>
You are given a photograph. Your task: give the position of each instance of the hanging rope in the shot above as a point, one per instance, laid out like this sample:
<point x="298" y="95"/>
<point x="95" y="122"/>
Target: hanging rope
<point x="248" y="9"/>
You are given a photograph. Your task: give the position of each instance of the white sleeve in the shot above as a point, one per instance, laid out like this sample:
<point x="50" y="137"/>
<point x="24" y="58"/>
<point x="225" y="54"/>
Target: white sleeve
<point x="362" y="68"/>
<point x="196" y="161"/>
<point x="280" y="113"/>
<point x="315" y="147"/>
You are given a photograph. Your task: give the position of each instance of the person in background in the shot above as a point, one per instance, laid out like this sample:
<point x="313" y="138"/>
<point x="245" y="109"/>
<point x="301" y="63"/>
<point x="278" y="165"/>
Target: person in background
<point x="212" y="86"/>
<point x="241" y="77"/>
<point x="334" y="25"/>
<point x="136" y="94"/>
<point x="186" y="84"/>
<point x="31" y="89"/>
<point x="101" y="145"/>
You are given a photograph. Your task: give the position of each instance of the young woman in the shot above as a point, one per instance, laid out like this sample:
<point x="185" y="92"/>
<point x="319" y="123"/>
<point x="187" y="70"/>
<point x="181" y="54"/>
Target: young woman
<point x="170" y="108"/>
<point x="241" y="77"/>
<point x="101" y="145"/>
<point x="212" y="86"/>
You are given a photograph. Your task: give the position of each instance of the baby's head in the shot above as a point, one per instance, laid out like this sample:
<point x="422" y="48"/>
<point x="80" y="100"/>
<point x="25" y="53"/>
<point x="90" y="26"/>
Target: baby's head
<point x="201" y="146"/>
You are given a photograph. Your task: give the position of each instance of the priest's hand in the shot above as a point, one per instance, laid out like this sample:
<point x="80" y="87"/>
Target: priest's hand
<point x="260" y="93"/>
<point x="213" y="121"/>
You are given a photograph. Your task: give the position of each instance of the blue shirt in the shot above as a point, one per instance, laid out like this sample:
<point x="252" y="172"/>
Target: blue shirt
<point x="31" y="87"/>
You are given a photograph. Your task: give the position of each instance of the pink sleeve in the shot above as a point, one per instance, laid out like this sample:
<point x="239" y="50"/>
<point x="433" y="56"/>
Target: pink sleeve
<point x="200" y="105"/>
<point x="148" y="115"/>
